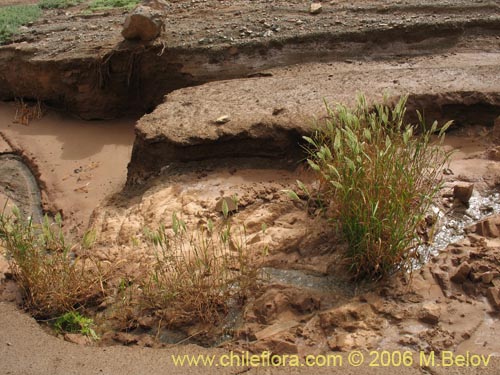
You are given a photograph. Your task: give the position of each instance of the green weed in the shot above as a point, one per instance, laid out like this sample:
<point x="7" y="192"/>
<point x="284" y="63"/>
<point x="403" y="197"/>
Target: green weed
<point x="73" y="322"/>
<point x="58" y="4"/>
<point x="379" y="178"/>
<point x="97" y="5"/>
<point x="11" y="17"/>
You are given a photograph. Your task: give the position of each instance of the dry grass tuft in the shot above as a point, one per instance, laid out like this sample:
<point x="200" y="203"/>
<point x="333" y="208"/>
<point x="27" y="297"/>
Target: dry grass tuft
<point x="53" y="280"/>
<point x="197" y="275"/>
<point x="27" y="112"/>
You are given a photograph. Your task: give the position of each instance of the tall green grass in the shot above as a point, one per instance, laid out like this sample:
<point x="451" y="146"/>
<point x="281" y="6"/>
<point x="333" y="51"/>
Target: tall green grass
<point x="58" y="4"/>
<point x="380" y="179"/>
<point x="11" y="17"/>
<point x="97" y="5"/>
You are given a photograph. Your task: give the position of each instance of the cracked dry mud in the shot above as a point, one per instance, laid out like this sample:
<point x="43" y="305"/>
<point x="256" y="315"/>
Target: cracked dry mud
<point x="268" y="87"/>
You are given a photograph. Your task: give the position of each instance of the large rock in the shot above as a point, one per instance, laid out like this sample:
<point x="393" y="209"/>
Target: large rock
<point x="143" y="23"/>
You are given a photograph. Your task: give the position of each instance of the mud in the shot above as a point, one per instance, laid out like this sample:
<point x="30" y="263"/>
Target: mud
<point x="77" y="164"/>
<point x="185" y="159"/>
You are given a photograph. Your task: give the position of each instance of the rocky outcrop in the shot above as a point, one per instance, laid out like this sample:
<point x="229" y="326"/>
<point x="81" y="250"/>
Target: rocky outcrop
<point x="267" y="116"/>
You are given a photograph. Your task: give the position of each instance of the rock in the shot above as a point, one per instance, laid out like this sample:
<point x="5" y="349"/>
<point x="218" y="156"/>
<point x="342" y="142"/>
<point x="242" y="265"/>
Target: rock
<point x="342" y="342"/>
<point x="142" y="23"/>
<point x="493" y="295"/>
<point x="232" y="206"/>
<point x="4" y="266"/>
<point x="463" y="192"/>
<point x="275" y="329"/>
<point x="496" y="128"/>
<point x="278" y="305"/>
<point x="488" y="227"/>
<point x="125" y="338"/>
<point x="222" y="120"/>
<point x="430" y="313"/>
<point x="11" y="293"/>
<point x="146" y="322"/>
<point x="275" y="346"/>
<point x="306" y="303"/>
<point x="443" y="281"/>
<point x="494" y="153"/>
<point x="349" y="317"/>
<point x="487" y="277"/>
<point x="77" y="338"/>
<point x="315" y="8"/>
<point x="461" y="274"/>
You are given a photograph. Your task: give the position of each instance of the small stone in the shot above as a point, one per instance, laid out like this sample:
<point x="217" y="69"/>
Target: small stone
<point x="461" y="274"/>
<point x="315" y="8"/>
<point x="488" y="228"/>
<point x="275" y="329"/>
<point x="494" y="297"/>
<point x="142" y="23"/>
<point x="222" y="120"/>
<point x="342" y="342"/>
<point x="487" y="277"/>
<point x="430" y="313"/>
<point x="496" y="128"/>
<point x="77" y="338"/>
<point x="231" y="204"/>
<point x="463" y="192"/>
<point x="146" y="322"/>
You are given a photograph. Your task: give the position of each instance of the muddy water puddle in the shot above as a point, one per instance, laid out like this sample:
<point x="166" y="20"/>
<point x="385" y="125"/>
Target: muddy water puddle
<point x="79" y="162"/>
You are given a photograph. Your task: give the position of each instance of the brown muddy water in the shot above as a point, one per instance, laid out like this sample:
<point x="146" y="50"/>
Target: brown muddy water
<point x="79" y="163"/>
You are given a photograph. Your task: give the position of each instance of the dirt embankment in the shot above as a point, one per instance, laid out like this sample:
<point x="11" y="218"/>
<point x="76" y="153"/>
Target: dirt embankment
<point x="266" y="116"/>
<point x="240" y="138"/>
<point x="79" y="62"/>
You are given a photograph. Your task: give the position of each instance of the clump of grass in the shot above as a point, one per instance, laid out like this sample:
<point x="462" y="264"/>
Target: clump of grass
<point x="97" y="5"/>
<point x="58" y="4"/>
<point x="73" y="322"/>
<point x="53" y="280"/>
<point x="380" y="178"/>
<point x="11" y="17"/>
<point x="197" y="275"/>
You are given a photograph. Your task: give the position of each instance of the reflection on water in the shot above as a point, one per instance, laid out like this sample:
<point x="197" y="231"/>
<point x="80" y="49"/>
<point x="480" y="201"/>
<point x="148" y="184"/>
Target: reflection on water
<point x="452" y="224"/>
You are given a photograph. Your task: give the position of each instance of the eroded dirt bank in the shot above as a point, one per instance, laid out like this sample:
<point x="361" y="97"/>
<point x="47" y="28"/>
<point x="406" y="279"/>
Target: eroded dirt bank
<point x="240" y="138"/>
<point x="267" y="116"/>
<point x="79" y="62"/>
